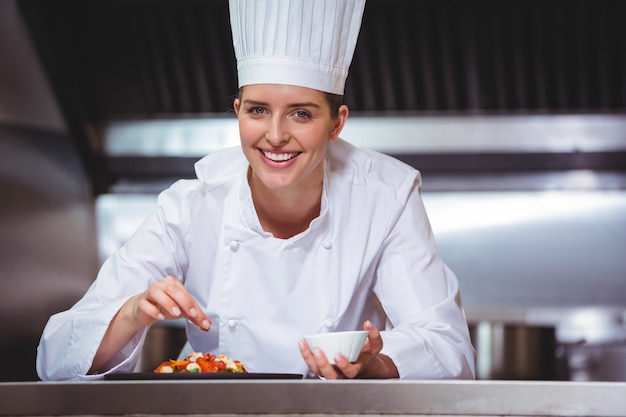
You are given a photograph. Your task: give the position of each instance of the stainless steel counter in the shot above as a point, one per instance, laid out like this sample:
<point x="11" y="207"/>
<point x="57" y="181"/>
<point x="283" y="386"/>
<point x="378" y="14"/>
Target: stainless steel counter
<point x="314" y="397"/>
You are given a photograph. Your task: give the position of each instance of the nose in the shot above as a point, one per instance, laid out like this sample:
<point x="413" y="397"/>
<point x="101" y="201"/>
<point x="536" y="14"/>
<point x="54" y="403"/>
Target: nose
<point x="276" y="133"/>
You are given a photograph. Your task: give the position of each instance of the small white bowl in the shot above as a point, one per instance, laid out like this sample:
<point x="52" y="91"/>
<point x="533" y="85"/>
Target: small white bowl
<point x="348" y="344"/>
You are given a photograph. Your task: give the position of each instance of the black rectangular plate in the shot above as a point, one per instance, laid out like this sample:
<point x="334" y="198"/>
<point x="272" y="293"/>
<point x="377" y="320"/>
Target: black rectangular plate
<point x="145" y="376"/>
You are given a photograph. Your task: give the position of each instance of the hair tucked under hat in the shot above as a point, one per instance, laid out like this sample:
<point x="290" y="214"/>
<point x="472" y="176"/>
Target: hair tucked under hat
<point x="308" y="43"/>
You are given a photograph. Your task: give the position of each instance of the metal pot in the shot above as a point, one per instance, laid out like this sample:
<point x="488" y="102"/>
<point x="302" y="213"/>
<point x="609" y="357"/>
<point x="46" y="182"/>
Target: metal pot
<point x="510" y="351"/>
<point x="593" y="340"/>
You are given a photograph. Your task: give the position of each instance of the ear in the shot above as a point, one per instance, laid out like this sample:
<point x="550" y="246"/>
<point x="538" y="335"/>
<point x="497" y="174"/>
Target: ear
<point x="339" y="122"/>
<point x="236" y="104"/>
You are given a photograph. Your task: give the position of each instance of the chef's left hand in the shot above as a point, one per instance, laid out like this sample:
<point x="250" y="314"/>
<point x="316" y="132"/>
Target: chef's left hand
<point x="370" y="363"/>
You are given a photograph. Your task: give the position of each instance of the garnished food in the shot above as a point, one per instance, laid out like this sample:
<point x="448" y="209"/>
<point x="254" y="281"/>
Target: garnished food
<point x="199" y="362"/>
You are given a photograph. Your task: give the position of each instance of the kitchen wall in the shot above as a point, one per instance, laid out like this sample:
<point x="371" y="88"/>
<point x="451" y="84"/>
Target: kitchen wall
<point x="26" y="97"/>
<point x="48" y="249"/>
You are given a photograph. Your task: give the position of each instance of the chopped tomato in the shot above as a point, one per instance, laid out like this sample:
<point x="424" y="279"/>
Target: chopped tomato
<point x="206" y="365"/>
<point x="221" y="365"/>
<point x="201" y="363"/>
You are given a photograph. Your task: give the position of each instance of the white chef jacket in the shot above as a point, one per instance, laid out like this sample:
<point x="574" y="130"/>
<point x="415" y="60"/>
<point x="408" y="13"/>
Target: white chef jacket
<point x="369" y="255"/>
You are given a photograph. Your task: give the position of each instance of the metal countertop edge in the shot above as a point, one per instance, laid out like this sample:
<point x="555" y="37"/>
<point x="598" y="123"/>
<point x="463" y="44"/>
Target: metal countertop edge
<point x="520" y="398"/>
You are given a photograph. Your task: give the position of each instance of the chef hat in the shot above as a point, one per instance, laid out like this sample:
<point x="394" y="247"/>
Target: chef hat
<point x="308" y="43"/>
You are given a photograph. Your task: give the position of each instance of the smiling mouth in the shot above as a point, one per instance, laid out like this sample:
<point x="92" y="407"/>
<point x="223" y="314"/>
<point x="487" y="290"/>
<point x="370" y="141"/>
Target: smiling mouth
<point x="280" y="157"/>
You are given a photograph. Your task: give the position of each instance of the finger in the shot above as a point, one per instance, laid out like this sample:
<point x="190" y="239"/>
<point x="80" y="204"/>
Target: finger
<point x="349" y="370"/>
<point x="185" y="306"/>
<point x="372" y="331"/>
<point x="374" y="343"/>
<point x="147" y="313"/>
<point x="326" y="369"/>
<point x="160" y="296"/>
<point x="308" y="357"/>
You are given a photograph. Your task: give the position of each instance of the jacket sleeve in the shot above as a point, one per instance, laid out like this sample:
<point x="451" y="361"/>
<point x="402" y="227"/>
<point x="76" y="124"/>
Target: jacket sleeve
<point x="427" y="335"/>
<point x="71" y="338"/>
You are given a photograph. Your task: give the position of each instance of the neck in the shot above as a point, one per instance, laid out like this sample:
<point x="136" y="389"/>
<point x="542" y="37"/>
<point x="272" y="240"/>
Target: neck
<point x="285" y="213"/>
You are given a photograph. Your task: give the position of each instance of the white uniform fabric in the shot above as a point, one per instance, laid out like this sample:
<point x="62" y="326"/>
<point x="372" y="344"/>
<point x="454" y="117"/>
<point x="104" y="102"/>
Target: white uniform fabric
<point x="371" y="247"/>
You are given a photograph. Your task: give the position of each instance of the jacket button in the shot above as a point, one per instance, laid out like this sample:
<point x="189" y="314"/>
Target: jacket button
<point x="232" y="323"/>
<point x="328" y="323"/>
<point x="327" y="244"/>
<point x="234" y="245"/>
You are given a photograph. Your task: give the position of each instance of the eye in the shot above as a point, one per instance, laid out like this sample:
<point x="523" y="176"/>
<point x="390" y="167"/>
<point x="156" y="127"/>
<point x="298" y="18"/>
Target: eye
<point x="256" y="110"/>
<point x="302" y="115"/>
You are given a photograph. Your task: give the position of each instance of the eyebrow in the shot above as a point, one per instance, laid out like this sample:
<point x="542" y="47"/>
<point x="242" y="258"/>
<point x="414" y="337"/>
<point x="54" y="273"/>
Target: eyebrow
<point x="292" y="105"/>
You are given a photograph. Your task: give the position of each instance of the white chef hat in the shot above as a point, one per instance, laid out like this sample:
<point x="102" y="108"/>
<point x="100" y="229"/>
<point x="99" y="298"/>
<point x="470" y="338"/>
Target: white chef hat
<point x="308" y="43"/>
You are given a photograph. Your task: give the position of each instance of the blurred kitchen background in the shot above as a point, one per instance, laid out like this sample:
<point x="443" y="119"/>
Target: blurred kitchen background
<point x="514" y="111"/>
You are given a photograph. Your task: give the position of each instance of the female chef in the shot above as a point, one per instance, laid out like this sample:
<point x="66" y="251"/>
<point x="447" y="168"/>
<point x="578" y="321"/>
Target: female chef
<point x="295" y="232"/>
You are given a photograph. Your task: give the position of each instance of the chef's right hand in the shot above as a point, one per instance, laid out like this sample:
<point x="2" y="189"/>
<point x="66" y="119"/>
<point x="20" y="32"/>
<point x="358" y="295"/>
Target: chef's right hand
<point x="165" y="299"/>
<point x="168" y="299"/>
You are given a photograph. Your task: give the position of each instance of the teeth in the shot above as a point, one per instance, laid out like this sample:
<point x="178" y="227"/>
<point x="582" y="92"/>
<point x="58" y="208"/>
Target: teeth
<point x="279" y="157"/>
